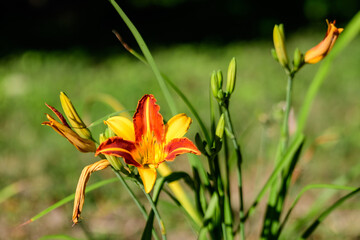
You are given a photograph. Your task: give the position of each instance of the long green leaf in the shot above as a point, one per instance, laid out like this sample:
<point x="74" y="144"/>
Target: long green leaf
<point x="301" y="193"/>
<point x="9" y="191"/>
<point x="174" y="176"/>
<point x="325" y="213"/>
<point x="148" y="56"/>
<point x="296" y="144"/>
<point x="70" y="198"/>
<point x="350" y="32"/>
<point x="58" y="236"/>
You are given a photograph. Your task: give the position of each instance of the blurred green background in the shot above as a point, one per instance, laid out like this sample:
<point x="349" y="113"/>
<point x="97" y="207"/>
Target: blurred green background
<point x="75" y="52"/>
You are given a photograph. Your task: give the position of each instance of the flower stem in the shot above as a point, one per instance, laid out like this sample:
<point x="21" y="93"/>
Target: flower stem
<point x="273" y="201"/>
<point x="239" y="162"/>
<point x="160" y="221"/>
<point x="137" y="202"/>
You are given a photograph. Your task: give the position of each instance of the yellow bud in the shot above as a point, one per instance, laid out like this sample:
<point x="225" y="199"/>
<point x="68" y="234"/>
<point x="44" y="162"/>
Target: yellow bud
<point x="231" y="76"/>
<point x="75" y="121"/>
<point x="220" y="127"/>
<point x="279" y="44"/>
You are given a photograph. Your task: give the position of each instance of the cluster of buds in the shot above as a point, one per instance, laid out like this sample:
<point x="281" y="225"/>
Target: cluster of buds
<point x="312" y="56"/>
<point x="217" y="83"/>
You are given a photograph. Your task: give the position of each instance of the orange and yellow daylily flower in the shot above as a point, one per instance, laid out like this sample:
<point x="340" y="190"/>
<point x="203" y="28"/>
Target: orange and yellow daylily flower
<point x="318" y="52"/>
<point x="146" y="142"/>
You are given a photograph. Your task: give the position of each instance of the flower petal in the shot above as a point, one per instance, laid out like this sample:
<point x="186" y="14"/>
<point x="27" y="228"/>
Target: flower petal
<point x="58" y="114"/>
<point x="122" y="127"/>
<point x="80" y="189"/>
<point x="179" y="146"/>
<point x="148" y="176"/>
<point x="118" y="147"/>
<point x="177" y="126"/>
<point x="318" y="52"/>
<point x="147" y="119"/>
<point x="82" y="144"/>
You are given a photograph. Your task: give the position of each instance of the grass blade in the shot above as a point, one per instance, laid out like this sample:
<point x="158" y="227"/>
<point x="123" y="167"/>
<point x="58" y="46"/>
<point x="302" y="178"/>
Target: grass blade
<point x="58" y="236"/>
<point x="148" y="56"/>
<point x="303" y="191"/>
<point x="296" y="144"/>
<point x="69" y="199"/>
<point x="325" y="213"/>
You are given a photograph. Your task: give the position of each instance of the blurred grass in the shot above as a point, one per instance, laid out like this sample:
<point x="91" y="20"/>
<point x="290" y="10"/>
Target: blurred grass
<point x="48" y="166"/>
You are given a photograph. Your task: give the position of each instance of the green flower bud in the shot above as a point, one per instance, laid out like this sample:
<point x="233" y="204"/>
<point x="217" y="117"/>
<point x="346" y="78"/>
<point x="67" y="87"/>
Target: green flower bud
<point x="231" y="76"/>
<point x="273" y="53"/>
<point x="114" y="161"/>
<point x="214" y="84"/>
<point x="279" y="44"/>
<point x="298" y="59"/>
<point x="220" y="127"/>
<point x="220" y="78"/>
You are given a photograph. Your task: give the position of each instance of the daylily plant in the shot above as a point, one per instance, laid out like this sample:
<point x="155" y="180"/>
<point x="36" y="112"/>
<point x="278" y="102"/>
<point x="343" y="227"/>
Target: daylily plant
<point x="147" y="141"/>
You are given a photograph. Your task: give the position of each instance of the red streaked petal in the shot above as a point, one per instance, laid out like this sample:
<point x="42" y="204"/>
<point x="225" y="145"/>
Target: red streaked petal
<point x="179" y="146"/>
<point x="148" y="176"/>
<point x="118" y="147"/>
<point x="147" y="119"/>
<point x="59" y="115"/>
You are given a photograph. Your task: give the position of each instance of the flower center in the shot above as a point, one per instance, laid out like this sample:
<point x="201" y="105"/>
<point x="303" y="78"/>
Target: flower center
<point x="149" y="151"/>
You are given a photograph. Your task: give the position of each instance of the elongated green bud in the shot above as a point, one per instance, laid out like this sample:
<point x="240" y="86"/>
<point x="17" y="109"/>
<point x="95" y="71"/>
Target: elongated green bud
<point x="298" y="59"/>
<point x="75" y="121"/>
<point x="273" y="53"/>
<point x="214" y="84"/>
<point x="279" y="44"/>
<point x="220" y="127"/>
<point x="220" y="78"/>
<point x="231" y="76"/>
<point x="114" y="161"/>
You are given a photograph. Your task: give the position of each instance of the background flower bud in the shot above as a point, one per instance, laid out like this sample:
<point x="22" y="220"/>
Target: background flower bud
<point x="220" y="127"/>
<point x="231" y="76"/>
<point x="298" y="59"/>
<point x="214" y="84"/>
<point x="279" y="44"/>
<point x="220" y="78"/>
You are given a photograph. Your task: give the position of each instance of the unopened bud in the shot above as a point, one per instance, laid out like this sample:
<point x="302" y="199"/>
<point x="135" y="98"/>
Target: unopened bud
<point x="220" y="94"/>
<point x="214" y="84"/>
<point x="279" y="44"/>
<point x="220" y="78"/>
<point x="298" y="59"/>
<point x="220" y="127"/>
<point x="273" y="53"/>
<point x="231" y="76"/>
<point x="75" y="121"/>
<point x="114" y="161"/>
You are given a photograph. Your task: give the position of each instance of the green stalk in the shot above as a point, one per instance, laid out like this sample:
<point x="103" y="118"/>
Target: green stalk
<point x="137" y="202"/>
<point x="275" y="202"/>
<point x="239" y="162"/>
<point x="294" y="146"/>
<point x="153" y="207"/>
<point x="147" y="55"/>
